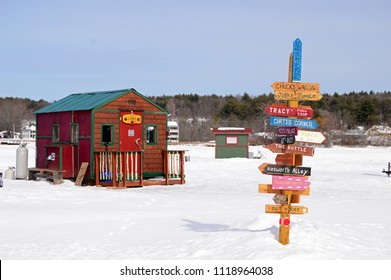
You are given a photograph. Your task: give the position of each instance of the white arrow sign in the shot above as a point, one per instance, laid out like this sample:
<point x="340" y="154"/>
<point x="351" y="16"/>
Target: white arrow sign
<point x="315" y="137"/>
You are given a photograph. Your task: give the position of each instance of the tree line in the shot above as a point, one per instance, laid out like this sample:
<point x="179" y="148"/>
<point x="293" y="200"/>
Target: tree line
<point x="15" y="112"/>
<point x="196" y="113"/>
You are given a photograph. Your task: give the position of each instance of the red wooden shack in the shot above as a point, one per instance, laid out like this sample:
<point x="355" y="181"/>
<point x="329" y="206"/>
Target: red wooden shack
<point x="121" y="134"/>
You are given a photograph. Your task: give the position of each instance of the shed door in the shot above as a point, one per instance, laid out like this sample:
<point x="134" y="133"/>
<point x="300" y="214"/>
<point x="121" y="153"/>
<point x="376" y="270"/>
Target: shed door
<point x="131" y="131"/>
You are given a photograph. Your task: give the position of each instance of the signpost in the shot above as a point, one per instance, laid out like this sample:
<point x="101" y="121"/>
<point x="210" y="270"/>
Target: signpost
<point x="287" y="130"/>
<point x="285" y="139"/>
<point x="277" y="209"/>
<point x="314" y="137"/>
<point x="285" y="111"/>
<point x="272" y="169"/>
<point x="291" y="149"/>
<point x="290" y="183"/>
<point x="300" y="123"/>
<point x="296" y="91"/>
<point x="289" y="179"/>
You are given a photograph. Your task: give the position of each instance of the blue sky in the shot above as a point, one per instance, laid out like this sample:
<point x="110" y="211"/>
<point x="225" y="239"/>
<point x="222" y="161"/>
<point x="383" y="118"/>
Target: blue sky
<point x="52" y="48"/>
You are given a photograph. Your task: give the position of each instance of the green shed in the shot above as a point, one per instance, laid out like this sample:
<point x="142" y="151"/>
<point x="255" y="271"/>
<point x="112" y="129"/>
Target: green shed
<point x="231" y="142"/>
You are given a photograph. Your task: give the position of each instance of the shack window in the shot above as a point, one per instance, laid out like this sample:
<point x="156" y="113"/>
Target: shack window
<point x="75" y="133"/>
<point x="55" y="133"/>
<point x="151" y="134"/>
<point x="231" y="140"/>
<point x="107" y="134"/>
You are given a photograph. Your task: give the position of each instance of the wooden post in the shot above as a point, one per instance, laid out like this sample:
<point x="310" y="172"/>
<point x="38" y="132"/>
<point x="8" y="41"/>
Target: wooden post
<point x="285" y="216"/>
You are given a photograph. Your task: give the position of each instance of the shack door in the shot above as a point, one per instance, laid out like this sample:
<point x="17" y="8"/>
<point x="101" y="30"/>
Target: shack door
<point x="131" y="131"/>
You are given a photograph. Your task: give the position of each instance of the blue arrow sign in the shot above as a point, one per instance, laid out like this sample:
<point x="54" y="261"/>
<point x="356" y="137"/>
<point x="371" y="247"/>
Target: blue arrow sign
<point x="300" y="123"/>
<point x="296" y="61"/>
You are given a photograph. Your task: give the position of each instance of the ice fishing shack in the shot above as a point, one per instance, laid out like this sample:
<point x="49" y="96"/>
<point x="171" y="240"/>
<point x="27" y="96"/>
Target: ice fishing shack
<point x="121" y="134"/>
<point x="231" y="142"/>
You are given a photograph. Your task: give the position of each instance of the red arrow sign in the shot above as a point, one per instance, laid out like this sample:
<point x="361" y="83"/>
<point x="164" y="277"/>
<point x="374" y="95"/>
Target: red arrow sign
<point x="301" y="112"/>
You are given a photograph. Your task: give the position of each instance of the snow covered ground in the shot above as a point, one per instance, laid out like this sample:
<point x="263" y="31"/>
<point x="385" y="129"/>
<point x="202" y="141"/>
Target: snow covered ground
<point x="218" y="214"/>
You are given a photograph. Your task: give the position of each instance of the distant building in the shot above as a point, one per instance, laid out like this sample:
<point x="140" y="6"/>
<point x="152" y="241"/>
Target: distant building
<point x="173" y="128"/>
<point x="231" y="142"/>
<point x="28" y="131"/>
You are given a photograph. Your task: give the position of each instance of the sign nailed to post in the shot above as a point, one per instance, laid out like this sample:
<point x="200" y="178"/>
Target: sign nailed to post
<point x="291" y="149"/>
<point x="304" y="124"/>
<point x="290" y="183"/>
<point x="296" y="91"/>
<point x="277" y="209"/>
<point x="272" y="169"/>
<point x="285" y="111"/>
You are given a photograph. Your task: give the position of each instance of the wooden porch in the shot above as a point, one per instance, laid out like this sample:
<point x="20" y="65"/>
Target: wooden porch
<point x="125" y="169"/>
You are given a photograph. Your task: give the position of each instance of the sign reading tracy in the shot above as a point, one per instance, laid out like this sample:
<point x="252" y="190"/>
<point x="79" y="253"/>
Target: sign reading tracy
<point x="285" y="111"/>
<point x="304" y="124"/>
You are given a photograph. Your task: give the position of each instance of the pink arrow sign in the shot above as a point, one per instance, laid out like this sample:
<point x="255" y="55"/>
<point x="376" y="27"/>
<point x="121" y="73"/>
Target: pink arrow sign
<point x="290" y="183"/>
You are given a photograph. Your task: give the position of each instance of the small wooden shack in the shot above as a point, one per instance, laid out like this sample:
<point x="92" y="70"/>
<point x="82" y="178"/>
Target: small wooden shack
<point x="121" y="134"/>
<point x="231" y="142"/>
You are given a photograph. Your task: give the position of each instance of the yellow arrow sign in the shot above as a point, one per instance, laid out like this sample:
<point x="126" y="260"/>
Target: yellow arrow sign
<point x="296" y="91"/>
<point x="277" y="209"/>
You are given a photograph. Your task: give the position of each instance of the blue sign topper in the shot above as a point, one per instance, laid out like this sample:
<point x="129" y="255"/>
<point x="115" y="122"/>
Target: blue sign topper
<point x="300" y="123"/>
<point x="296" y="61"/>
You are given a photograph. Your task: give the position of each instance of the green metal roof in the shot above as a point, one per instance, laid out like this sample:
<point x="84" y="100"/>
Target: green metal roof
<point x="88" y="101"/>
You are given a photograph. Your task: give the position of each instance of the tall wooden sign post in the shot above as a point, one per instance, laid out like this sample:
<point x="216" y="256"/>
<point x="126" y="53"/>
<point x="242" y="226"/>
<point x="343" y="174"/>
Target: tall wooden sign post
<point x="289" y="177"/>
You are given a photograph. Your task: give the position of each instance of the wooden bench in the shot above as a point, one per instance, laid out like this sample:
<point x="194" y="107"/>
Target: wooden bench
<point x="51" y="175"/>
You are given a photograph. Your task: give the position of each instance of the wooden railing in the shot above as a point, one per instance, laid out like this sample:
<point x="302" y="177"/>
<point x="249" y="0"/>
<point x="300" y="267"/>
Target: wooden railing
<point x="174" y="165"/>
<point x="118" y="169"/>
<point x="125" y="169"/>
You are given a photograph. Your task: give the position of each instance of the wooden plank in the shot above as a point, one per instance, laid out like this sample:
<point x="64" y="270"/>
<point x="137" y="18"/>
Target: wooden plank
<point x="285" y="111"/>
<point x="291" y="149"/>
<point x="272" y="169"/>
<point x="277" y="209"/>
<point x="82" y="172"/>
<point x="267" y="188"/>
<point x="290" y="182"/>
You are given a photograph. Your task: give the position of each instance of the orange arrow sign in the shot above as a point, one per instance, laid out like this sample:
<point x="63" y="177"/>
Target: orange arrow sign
<point x="296" y="91"/>
<point x="277" y="209"/>
<point x="290" y="149"/>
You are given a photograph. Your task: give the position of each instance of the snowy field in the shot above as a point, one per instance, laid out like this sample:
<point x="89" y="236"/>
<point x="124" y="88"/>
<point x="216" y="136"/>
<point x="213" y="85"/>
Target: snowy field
<point x="217" y="215"/>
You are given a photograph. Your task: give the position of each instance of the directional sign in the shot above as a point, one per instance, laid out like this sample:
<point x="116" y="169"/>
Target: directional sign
<point x="285" y="111"/>
<point x="287" y="131"/>
<point x="276" y="209"/>
<point x="290" y="183"/>
<point x="296" y="91"/>
<point x="267" y="188"/>
<point x="285" y="139"/>
<point x="285" y="159"/>
<point x="272" y="169"/>
<point x="280" y="199"/>
<point x="315" y="137"/>
<point x="304" y="124"/>
<point x="290" y="149"/>
<point x="296" y="60"/>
